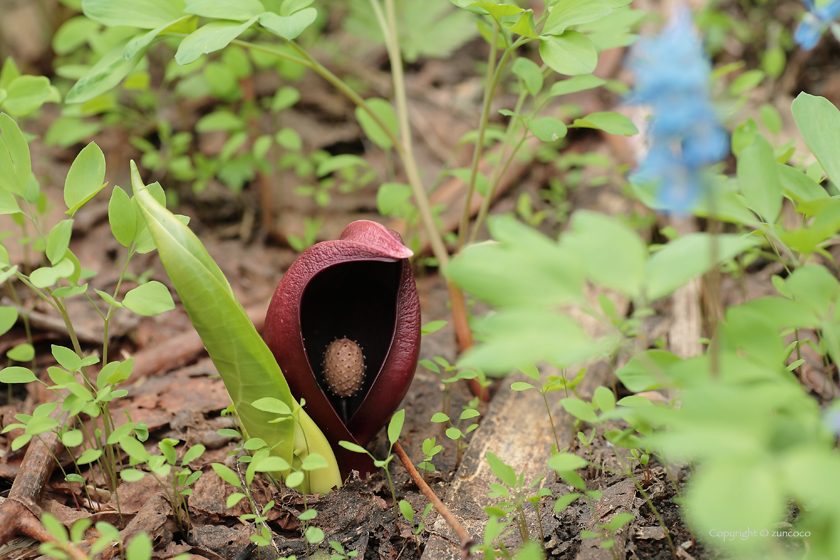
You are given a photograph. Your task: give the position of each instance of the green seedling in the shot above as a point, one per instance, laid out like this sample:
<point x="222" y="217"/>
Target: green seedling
<point x="514" y="494"/>
<point x="454" y="431"/>
<point x="394" y="429"/>
<point x="174" y="480"/>
<point x="430" y="449"/>
<point x="339" y="553"/>
<point x="408" y="513"/>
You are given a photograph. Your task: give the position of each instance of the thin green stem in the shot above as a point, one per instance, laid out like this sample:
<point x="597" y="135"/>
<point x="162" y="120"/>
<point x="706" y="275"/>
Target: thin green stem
<point x="629" y="472"/>
<point x="404" y="148"/>
<point x="494" y="74"/>
<point x="551" y="420"/>
<point x="498" y="172"/>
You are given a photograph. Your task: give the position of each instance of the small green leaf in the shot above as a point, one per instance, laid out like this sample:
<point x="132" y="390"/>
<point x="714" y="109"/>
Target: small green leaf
<point x="227" y="475"/>
<point x="17" y="374"/>
<point x="355" y="448"/>
<point x="284" y="98"/>
<point x="579" y="409"/>
<point x="521" y="386"/>
<point x="236" y="10"/>
<point x="151" y="298"/>
<point x="313" y="462"/>
<point x="530" y="73"/>
<point x="234" y="499"/>
<point x="758" y="178"/>
<point x="194" y="453"/>
<point x="67" y="358"/>
<point x="89" y="456"/>
<point x="140" y="548"/>
<point x="8" y="318"/>
<point x="547" y="129"/>
<point x="272" y="464"/>
<point x="563" y="462"/>
<point x="15" y="164"/>
<point x="575" y="84"/>
<point x="407" y="511"/>
<point x="574" y="12"/>
<point x="503" y="472"/>
<point x="571" y="53"/>
<point x="391" y="197"/>
<point x="85" y="178"/>
<point x="134" y="449"/>
<point x="314" y="535"/>
<point x="212" y="37"/>
<point x="308" y="515"/>
<point x="608" y="121"/>
<point x="432" y="326"/>
<point x="439" y="417"/>
<point x="21" y="353"/>
<point x="819" y="122"/>
<point x="58" y="240"/>
<point x="288" y="27"/>
<point x="395" y="426"/>
<point x="122" y="217"/>
<point x="27" y="94"/>
<point x="145" y="14"/>
<point x="295" y="479"/>
<point x="382" y="109"/>
<point x="564" y="501"/>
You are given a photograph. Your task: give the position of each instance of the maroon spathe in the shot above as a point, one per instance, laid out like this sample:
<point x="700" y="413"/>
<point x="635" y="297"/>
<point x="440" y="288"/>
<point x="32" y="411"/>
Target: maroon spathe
<point x="359" y="287"/>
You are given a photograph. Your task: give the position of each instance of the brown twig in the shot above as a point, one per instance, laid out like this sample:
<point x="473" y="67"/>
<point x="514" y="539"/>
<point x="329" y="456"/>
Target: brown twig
<point x="466" y="541"/>
<point x="20" y="513"/>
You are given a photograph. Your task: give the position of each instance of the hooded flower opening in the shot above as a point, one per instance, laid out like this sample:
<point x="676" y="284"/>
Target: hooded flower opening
<point x="357" y="301"/>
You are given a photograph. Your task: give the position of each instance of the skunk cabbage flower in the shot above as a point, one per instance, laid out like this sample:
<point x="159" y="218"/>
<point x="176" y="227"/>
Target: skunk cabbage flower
<point x="672" y="77"/>
<point x="815" y="21"/>
<point x="344" y="325"/>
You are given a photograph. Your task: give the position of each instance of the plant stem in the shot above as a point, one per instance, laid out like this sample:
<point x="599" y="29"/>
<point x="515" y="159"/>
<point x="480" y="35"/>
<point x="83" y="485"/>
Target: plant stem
<point x="629" y="472"/>
<point x="489" y="91"/>
<point x="551" y="420"/>
<point x="499" y="171"/>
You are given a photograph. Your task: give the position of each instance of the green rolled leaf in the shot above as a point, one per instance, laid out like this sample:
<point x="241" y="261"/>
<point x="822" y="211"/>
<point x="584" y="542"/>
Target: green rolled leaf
<point x="245" y="363"/>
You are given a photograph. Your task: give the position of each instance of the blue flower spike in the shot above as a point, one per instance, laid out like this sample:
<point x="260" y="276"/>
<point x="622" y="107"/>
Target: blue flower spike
<point x="815" y="21"/>
<point x="672" y="75"/>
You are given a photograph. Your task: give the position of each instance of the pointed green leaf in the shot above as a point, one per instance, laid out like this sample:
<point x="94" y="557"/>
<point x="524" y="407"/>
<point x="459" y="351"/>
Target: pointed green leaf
<point x="145" y="14"/>
<point x="758" y="177"/>
<point x="85" y="178"/>
<point x="288" y="27"/>
<point x="15" y="165"/>
<point x="212" y="37"/>
<point x="571" y="53"/>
